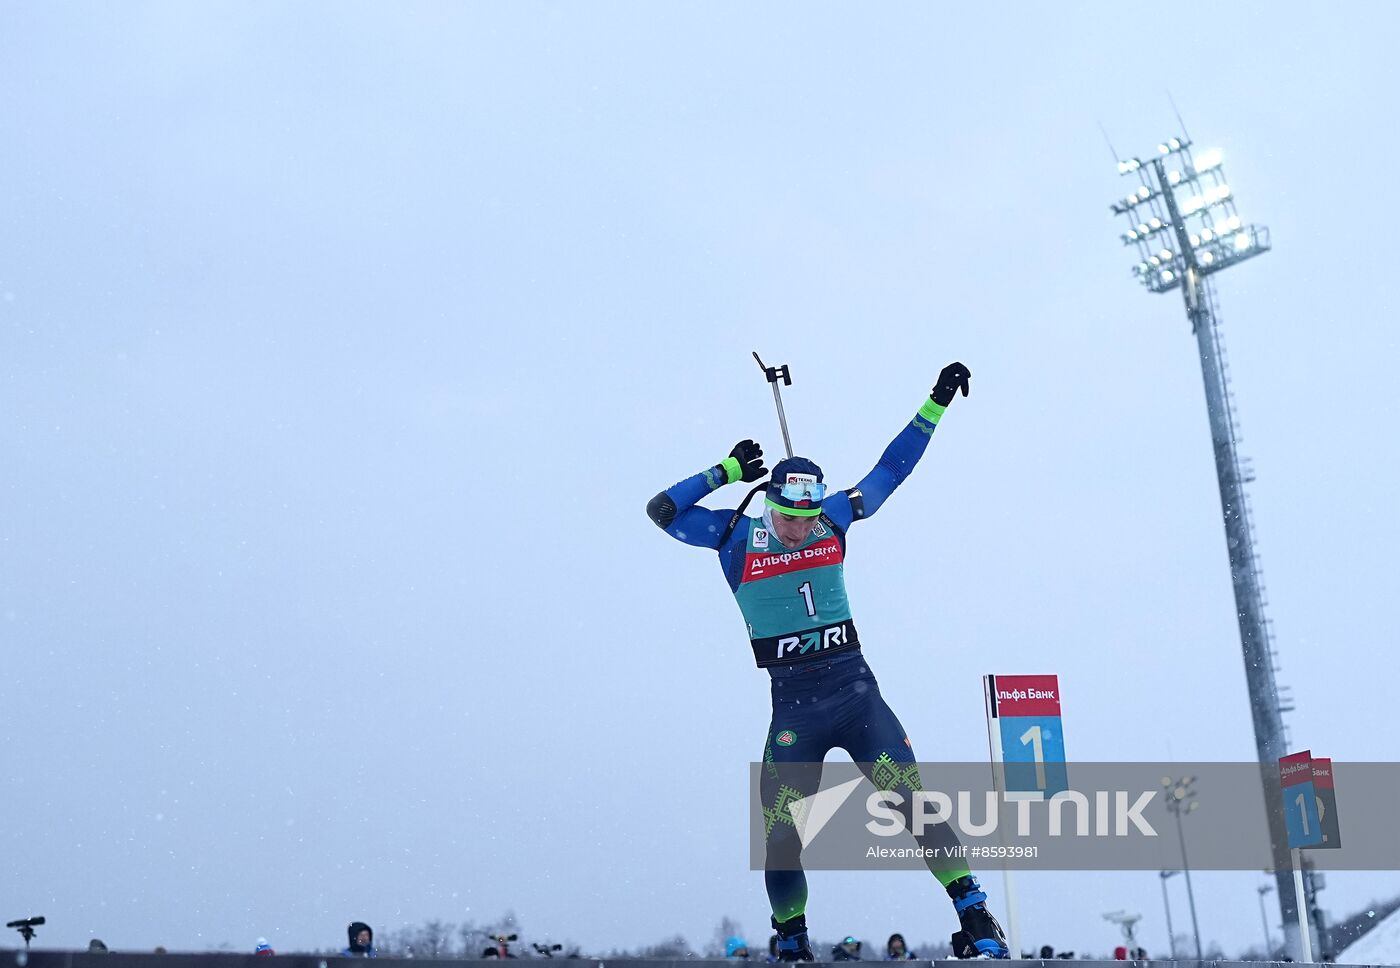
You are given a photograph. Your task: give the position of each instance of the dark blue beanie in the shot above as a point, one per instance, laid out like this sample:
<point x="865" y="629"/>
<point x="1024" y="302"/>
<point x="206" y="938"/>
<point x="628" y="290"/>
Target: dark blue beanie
<point x="781" y="470"/>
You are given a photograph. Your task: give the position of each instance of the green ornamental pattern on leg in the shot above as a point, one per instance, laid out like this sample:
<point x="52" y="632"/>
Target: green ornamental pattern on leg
<point x="886" y="774"/>
<point x="786" y="796"/>
<point x="779" y="812"/>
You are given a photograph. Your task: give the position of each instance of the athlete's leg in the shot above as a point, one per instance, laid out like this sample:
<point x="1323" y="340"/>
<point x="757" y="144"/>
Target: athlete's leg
<point x="873" y="736"/>
<point x="791" y="771"/>
<point x="798" y="740"/>
<point x="871" y="733"/>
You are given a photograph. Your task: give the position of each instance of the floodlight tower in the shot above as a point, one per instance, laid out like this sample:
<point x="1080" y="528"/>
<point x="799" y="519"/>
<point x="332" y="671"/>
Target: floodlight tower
<point x="1184" y="227"/>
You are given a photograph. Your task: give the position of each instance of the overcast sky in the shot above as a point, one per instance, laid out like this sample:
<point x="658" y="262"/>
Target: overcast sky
<point x="342" y="345"/>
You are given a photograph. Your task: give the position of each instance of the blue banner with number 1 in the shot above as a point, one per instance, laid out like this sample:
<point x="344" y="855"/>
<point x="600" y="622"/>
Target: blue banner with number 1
<point x="1300" y="814"/>
<point x="1025" y="712"/>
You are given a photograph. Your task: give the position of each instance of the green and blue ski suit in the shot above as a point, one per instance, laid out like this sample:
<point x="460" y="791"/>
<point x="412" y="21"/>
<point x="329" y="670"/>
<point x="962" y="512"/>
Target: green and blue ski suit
<point x="800" y="627"/>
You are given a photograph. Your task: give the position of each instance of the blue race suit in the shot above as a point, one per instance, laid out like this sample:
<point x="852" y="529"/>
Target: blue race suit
<point x="799" y="622"/>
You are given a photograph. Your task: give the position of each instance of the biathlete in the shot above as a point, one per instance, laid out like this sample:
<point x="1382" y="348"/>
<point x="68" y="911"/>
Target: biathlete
<point x="786" y="571"/>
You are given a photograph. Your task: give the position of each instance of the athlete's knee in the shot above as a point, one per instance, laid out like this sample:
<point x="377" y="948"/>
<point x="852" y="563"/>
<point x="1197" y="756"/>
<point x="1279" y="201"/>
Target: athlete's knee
<point x="783" y="851"/>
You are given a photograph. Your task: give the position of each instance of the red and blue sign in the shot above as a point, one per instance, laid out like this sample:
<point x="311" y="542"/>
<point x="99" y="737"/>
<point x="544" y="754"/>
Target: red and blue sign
<point x="1025" y="715"/>
<point x="1326" y="793"/>
<point x="1300" y="814"/>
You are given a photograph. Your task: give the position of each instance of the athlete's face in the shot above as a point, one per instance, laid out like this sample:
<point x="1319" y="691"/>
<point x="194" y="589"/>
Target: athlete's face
<point x="791" y="529"/>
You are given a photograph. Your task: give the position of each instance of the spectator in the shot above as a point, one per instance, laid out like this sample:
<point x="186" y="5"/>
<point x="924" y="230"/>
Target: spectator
<point x="490" y="952"/>
<point x="361" y="937"/>
<point x="737" y="949"/>
<point x="96" y="947"/>
<point x="847" y="950"/>
<point x="1047" y="952"/>
<point x="263" y="948"/>
<point x="897" y="950"/>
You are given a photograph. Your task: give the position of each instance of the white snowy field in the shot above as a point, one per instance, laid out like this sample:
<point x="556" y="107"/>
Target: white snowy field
<point x="1379" y="946"/>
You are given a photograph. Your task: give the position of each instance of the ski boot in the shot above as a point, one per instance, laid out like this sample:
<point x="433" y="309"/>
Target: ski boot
<point x="792" y="939"/>
<point x="980" y="936"/>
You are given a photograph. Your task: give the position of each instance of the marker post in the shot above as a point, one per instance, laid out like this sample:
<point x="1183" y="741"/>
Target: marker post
<point x="1300" y="817"/>
<point x="1303" y="933"/>
<point x="1028" y="755"/>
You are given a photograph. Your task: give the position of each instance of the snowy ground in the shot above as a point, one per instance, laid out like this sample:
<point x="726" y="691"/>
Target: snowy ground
<point x="1379" y="946"/>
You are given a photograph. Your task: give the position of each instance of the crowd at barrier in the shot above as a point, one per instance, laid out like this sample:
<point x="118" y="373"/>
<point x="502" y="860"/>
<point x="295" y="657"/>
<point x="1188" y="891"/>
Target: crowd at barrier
<point x="437" y="940"/>
<point x="434" y="940"/>
<point x="360" y="944"/>
<point x="359" y="935"/>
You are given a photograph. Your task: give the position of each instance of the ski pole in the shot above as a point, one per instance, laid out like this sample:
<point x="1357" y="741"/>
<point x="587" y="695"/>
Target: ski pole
<point x="773" y="373"/>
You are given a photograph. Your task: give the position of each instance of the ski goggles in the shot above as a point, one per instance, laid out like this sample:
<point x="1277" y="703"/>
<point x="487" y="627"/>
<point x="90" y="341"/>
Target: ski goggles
<point x="812" y="491"/>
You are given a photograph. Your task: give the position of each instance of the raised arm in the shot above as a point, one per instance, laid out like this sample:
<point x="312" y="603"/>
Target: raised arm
<point x="901" y="455"/>
<point x="674" y="510"/>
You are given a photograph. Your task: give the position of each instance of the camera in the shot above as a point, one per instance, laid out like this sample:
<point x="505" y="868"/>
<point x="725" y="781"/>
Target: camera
<point x="25" y="927"/>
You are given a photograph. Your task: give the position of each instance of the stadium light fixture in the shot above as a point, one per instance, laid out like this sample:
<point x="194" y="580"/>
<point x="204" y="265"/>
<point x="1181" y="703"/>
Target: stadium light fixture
<point x="1186" y="198"/>
<point x="1187" y="192"/>
<point x="1208" y="160"/>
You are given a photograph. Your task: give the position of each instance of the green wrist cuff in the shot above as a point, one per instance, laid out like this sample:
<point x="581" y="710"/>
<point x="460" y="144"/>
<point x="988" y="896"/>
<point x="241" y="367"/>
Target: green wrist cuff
<point x="931" y="411"/>
<point x="732" y="470"/>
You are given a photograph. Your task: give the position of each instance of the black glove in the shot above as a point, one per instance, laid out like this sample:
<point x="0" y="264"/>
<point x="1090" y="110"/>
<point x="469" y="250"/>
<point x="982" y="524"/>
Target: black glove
<point x="750" y="458"/>
<point x="953" y="378"/>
